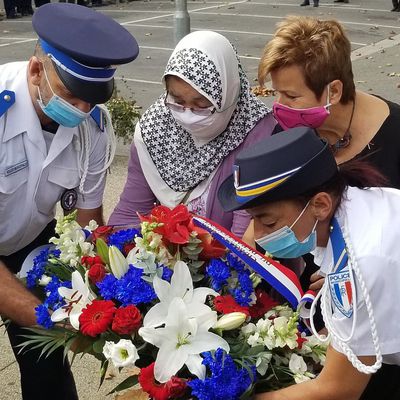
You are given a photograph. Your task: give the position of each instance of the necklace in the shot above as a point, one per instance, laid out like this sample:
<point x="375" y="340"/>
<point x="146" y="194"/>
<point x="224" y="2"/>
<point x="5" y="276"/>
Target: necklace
<point x="345" y="140"/>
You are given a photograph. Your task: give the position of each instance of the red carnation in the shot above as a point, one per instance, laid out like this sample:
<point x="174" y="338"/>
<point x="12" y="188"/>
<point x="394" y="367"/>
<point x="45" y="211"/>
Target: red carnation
<point x="126" y="320"/>
<point x="174" y="388"/>
<point x="89" y="261"/>
<point x="263" y="304"/>
<point x="97" y="272"/>
<point x="102" y="232"/>
<point x="227" y="304"/>
<point x="96" y="317"/>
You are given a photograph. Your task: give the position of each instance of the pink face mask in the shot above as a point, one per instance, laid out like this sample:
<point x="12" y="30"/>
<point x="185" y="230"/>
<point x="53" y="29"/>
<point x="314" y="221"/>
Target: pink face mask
<point x="289" y="117"/>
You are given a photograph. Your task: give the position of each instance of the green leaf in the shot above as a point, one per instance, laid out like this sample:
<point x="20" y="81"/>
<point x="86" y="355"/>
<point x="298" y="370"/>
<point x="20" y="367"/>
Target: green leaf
<point x="253" y="351"/>
<point x="98" y="345"/>
<point x="102" y="250"/>
<point x="103" y="370"/>
<point x="126" y="384"/>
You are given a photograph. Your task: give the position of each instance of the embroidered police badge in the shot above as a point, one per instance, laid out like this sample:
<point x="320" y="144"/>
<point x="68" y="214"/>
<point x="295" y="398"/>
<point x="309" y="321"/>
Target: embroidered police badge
<point x="68" y="199"/>
<point x="341" y="292"/>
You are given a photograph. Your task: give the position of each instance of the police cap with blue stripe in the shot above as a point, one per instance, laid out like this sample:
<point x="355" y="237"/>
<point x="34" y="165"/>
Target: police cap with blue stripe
<point x="85" y="47"/>
<point x="283" y="166"/>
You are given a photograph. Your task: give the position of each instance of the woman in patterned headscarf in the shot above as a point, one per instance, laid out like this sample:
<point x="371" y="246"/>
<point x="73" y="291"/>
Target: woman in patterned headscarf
<point x="185" y="143"/>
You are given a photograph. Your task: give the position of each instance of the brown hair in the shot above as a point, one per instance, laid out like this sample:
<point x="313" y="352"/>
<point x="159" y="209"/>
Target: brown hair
<point x="320" y="48"/>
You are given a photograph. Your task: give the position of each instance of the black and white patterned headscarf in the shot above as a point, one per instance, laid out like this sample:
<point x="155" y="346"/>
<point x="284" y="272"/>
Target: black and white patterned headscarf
<point x="208" y="62"/>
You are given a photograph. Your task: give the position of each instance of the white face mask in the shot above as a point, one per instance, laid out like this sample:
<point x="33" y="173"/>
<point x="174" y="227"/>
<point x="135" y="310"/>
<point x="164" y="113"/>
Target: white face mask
<point x="203" y="128"/>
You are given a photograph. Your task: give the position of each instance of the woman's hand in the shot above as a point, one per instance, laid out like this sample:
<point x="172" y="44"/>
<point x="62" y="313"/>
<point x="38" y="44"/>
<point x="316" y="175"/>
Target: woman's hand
<point x="317" y="282"/>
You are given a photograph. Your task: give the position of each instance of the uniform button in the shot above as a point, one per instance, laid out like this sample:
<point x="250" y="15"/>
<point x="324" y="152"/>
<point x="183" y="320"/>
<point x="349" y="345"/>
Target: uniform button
<point x="7" y="97"/>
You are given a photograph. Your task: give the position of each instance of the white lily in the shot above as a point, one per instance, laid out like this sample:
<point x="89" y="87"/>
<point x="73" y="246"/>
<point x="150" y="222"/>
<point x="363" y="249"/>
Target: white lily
<point x="182" y="340"/>
<point x="76" y="300"/>
<point x="230" y="321"/>
<point x="181" y="286"/>
<point x="122" y="354"/>
<point x="118" y="264"/>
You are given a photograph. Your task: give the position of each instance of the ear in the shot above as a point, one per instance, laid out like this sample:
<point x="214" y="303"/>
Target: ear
<point x="322" y="206"/>
<point x="35" y="71"/>
<point x="335" y="91"/>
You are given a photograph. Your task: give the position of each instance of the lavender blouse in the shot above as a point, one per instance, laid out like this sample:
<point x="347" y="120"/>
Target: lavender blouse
<point x="138" y="197"/>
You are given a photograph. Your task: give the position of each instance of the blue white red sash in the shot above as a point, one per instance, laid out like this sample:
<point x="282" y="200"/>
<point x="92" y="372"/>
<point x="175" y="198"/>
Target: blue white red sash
<point x="279" y="277"/>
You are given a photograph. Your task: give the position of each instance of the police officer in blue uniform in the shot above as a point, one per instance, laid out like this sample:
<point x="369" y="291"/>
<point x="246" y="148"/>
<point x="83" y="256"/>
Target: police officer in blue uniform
<point x="56" y="145"/>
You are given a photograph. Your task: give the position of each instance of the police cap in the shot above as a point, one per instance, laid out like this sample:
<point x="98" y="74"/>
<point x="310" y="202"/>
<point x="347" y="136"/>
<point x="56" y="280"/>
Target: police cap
<point x="283" y="166"/>
<point x="85" y="47"/>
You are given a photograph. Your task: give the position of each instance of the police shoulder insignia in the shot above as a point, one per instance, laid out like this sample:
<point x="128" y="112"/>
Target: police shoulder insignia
<point x="7" y="99"/>
<point x="68" y="199"/>
<point x="341" y="292"/>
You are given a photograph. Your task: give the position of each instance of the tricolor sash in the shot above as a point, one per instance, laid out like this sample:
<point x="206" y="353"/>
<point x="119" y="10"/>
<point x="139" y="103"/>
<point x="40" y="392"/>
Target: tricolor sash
<point x="279" y="277"/>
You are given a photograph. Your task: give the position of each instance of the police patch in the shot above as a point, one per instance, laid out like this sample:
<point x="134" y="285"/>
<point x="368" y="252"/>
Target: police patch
<point x="68" y="199"/>
<point x="341" y="292"/>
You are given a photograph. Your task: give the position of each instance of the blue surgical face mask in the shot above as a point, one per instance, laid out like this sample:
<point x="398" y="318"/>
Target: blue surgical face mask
<point x="60" y="111"/>
<point x="283" y="243"/>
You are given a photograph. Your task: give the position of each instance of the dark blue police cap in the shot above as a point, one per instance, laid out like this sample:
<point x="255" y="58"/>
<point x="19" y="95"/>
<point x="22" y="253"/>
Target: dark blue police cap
<point x="85" y="46"/>
<point x="283" y="166"/>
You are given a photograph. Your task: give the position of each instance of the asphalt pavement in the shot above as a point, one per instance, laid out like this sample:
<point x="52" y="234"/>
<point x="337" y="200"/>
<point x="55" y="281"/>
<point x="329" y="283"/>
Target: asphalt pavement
<point x="374" y="32"/>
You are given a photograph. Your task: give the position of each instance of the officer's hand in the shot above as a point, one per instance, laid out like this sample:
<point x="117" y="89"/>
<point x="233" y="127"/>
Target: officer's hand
<point x="316" y="282"/>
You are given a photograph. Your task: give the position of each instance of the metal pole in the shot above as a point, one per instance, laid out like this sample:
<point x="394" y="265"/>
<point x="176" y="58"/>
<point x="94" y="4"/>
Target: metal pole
<point x="181" y="20"/>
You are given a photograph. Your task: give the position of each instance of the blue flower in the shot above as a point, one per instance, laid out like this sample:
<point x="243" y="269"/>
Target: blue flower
<point x="132" y="289"/>
<point x="227" y="382"/>
<point x="167" y="273"/>
<point x="123" y="237"/>
<point x="54" y="300"/>
<point x="218" y="272"/>
<point x="107" y="287"/>
<point x="39" y="266"/>
<point x="43" y="316"/>
<point x="243" y="292"/>
<point x="235" y="262"/>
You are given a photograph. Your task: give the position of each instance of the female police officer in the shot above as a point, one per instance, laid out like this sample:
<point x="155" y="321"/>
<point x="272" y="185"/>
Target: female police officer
<point x="52" y="149"/>
<point x="301" y="202"/>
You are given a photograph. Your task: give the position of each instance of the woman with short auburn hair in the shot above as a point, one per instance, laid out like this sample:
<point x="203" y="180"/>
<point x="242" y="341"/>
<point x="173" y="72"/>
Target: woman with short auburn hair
<point x="309" y="62"/>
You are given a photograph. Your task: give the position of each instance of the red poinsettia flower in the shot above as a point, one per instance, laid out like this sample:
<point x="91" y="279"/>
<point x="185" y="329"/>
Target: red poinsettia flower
<point x="263" y="304"/>
<point x="227" y="304"/>
<point x="174" y="388"/>
<point x="88" y="261"/>
<point x="96" y="317"/>
<point x="127" y="320"/>
<point x="102" y="232"/>
<point x="97" y="272"/>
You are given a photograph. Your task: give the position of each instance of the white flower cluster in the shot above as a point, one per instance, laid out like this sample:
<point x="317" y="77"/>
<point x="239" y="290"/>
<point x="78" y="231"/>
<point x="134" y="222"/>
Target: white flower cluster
<point x="72" y="239"/>
<point x="278" y="330"/>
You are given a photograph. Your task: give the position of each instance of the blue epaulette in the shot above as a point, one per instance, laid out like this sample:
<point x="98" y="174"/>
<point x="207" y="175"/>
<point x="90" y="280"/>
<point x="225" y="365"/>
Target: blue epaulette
<point x="7" y="99"/>
<point x="98" y="117"/>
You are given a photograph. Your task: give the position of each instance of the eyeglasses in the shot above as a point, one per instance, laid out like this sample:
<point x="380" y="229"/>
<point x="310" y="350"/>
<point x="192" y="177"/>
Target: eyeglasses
<point x="169" y="103"/>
